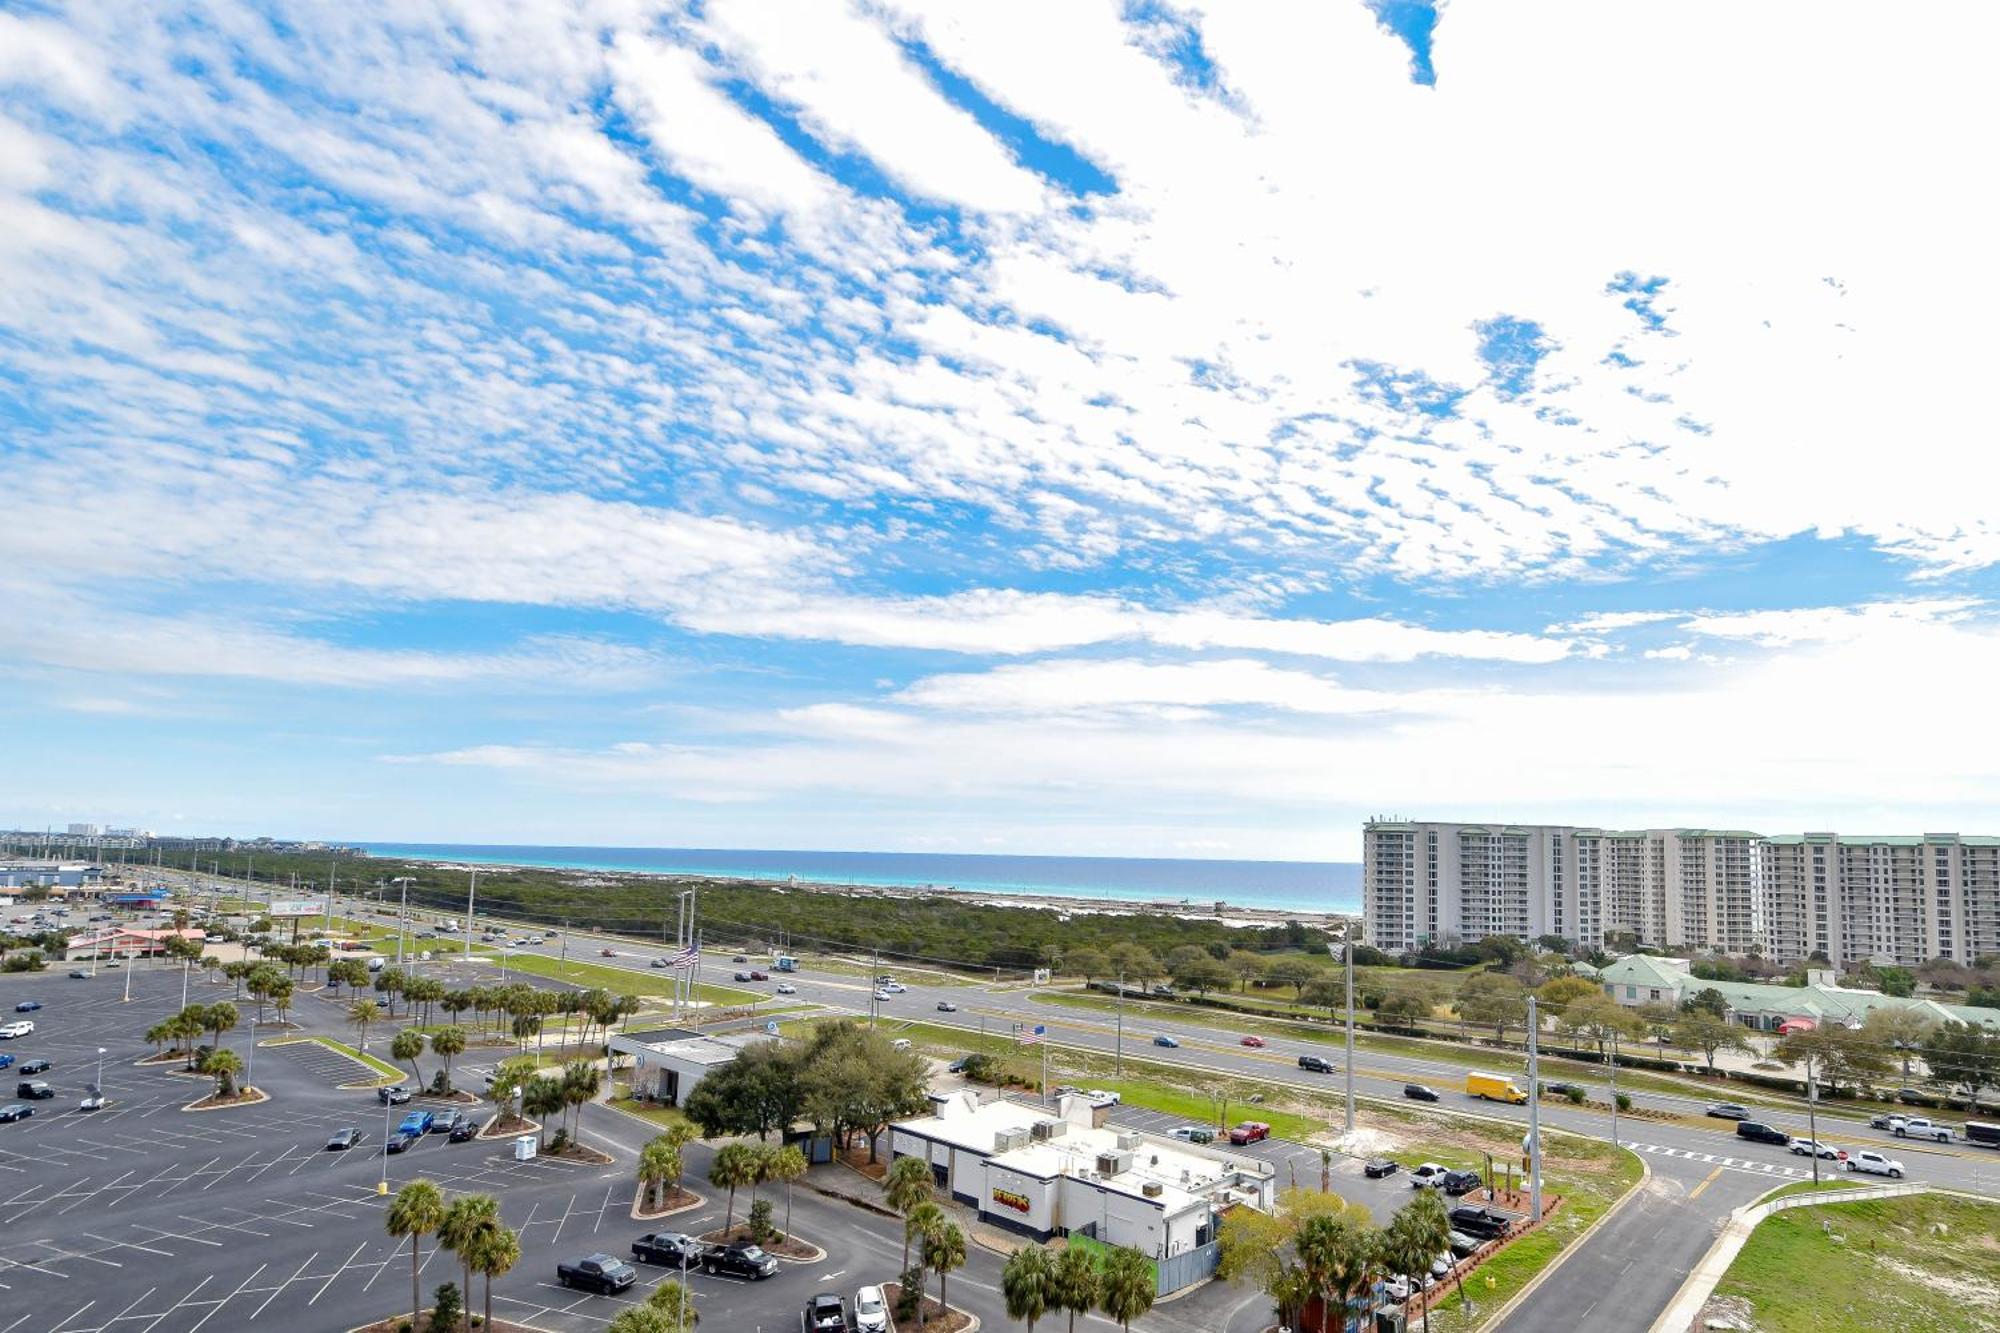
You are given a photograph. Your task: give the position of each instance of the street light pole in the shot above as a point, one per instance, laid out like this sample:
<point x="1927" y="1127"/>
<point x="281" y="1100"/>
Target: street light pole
<point x="1812" y="1116"/>
<point x="1535" y="1115"/>
<point x="1348" y="949"/>
<point x="402" y="916"/>
<point x="471" y="898"/>
<point x="128" y="976"/>
<point x="1118" y="1067"/>
<point x="1614" y="1089"/>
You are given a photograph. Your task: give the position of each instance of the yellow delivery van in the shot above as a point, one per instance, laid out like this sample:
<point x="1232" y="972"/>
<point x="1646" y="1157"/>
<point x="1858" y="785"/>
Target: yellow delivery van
<point x="1494" y="1088"/>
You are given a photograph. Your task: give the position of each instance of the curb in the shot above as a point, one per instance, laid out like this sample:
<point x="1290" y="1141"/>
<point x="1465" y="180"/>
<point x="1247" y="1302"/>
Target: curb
<point x="1708" y="1271"/>
<point x="196" y="1108"/>
<point x="1563" y="1256"/>
<point x="700" y="1201"/>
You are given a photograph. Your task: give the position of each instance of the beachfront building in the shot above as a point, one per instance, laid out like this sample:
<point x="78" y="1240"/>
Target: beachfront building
<point x="1847" y="899"/>
<point x="1067" y="1172"/>
<point x="1440" y="883"/>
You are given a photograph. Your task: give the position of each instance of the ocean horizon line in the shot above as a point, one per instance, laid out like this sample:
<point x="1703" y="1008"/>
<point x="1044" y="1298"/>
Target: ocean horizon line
<point x="1311" y="886"/>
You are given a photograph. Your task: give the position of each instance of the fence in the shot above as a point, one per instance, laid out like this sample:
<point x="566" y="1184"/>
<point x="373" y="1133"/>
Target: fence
<point x="1188" y="1267"/>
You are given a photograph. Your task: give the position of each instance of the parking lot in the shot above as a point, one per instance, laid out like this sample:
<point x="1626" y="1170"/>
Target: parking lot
<point x="144" y="1216"/>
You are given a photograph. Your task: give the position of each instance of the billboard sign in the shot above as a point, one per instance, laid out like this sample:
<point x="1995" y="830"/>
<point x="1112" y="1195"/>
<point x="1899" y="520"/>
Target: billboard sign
<point x="295" y="907"/>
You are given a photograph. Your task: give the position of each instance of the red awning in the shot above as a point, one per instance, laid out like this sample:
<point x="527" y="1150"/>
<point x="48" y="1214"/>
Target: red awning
<point x="1791" y="1025"/>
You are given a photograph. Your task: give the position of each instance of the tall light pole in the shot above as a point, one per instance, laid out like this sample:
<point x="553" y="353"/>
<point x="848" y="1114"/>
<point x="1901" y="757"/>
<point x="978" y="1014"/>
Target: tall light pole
<point x="471" y="898"/>
<point x="1812" y="1114"/>
<point x="100" y="1071"/>
<point x="1535" y="1115"/>
<point x="1119" y="1066"/>
<point x="1346" y="954"/>
<point x="1614" y="1087"/>
<point x="128" y="976"/>
<point x="250" y="1061"/>
<point x="402" y="916"/>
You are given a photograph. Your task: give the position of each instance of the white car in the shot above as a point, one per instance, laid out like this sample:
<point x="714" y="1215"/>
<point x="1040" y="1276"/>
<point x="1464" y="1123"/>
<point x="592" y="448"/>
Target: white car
<point x="1875" y="1164"/>
<point x="1810" y="1148"/>
<point x="19" y="1028"/>
<point x="1099" y="1097"/>
<point x="1916" y="1127"/>
<point x="787" y="988"/>
<point x="871" y="1312"/>
<point x="883" y="995"/>
<point x="895" y="987"/>
<point x="1428" y="1176"/>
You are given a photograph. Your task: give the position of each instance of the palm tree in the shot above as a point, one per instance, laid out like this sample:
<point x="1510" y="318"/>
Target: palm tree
<point x="786" y="1165"/>
<point x="659" y="1162"/>
<point x="495" y="1250"/>
<point x="1025" y="1281"/>
<point x="408" y="1044"/>
<point x="1076" y="1284"/>
<point x="919" y="1222"/>
<point x="361" y="1013"/>
<point x="673" y="1299"/>
<point x="580" y="1082"/>
<point x="1128" y="1286"/>
<point x="225" y="1066"/>
<point x="542" y="1097"/>
<point x="459" y="1230"/>
<point x="159" y="1034"/>
<point x="944" y="1250"/>
<point x="447" y="1042"/>
<point x="1416" y="1236"/>
<point x="735" y="1164"/>
<point x="281" y="1003"/>
<point x="907" y="1185"/>
<point x="218" y="1018"/>
<point x="415" y="1212"/>
<point x="526" y="1026"/>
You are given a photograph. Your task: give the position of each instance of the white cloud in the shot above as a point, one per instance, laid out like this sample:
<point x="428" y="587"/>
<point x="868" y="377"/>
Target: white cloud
<point x="1831" y="624"/>
<point x="1092" y="687"/>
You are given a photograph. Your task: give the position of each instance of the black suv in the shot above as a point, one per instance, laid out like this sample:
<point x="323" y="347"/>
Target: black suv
<point x="1456" y="1183"/>
<point x="35" y="1091"/>
<point x="1762" y="1133"/>
<point x="1417" y="1092"/>
<point x="1319" y="1064"/>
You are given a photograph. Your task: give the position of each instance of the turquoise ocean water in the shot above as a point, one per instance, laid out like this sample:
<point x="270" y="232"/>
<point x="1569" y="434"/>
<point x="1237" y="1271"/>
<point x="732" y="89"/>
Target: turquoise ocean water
<point x="1320" y="886"/>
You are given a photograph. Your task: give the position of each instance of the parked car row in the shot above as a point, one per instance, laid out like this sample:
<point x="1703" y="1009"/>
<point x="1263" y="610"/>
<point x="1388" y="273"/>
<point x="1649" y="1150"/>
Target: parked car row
<point x="824" y="1312"/>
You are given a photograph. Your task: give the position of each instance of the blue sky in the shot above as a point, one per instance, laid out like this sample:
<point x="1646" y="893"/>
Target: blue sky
<point x="1082" y="428"/>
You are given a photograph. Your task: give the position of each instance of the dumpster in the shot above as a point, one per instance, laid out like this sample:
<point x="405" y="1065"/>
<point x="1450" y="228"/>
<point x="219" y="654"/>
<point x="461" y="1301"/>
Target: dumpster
<point x="524" y="1148"/>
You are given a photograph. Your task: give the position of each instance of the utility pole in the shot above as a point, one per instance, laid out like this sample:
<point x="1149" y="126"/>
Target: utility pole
<point x="875" y="1006"/>
<point x="1118" y="1066"/>
<point x="1812" y="1114"/>
<point x="471" y="898"/>
<point x="1614" y="1088"/>
<point x="1349" y="951"/>
<point x="402" y="916"/>
<point x="1535" y="1116"/>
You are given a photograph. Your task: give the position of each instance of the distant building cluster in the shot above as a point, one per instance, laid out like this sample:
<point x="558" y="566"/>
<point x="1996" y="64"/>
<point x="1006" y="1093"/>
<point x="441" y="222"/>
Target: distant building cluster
<point x="1899" y="900"/>
<point x="99" y="839"/>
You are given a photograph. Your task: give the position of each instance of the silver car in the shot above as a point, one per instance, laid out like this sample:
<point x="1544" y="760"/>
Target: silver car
<point x="871" y="1312"/>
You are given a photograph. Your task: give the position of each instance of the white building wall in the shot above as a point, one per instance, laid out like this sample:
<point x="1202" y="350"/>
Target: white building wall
<point x="1019" y="1199"/>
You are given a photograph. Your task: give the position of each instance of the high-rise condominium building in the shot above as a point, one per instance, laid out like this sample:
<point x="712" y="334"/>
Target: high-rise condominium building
<point x="1902" y="899"/>
<point x="1435" y="882"/>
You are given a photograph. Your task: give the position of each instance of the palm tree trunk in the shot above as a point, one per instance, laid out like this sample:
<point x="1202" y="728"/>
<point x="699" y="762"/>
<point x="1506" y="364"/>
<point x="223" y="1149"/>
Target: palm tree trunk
<point x="416" y="1295"/>
<point x="489" y="1303"/>
<point x="729" y="1213"/>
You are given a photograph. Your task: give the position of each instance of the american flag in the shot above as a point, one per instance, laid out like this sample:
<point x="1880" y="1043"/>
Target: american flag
<point x="1035" y="1035"/>
<point x="686" y="958"/>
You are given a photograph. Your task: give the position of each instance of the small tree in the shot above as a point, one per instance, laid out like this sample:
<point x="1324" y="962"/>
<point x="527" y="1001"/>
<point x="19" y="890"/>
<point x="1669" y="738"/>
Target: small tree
<point x="1026" y="1282"/>
<point x="360" y="1014"/>
<point x="761" y="1230"/>
<point x="659" y="1162"/>
<point x="541" y="1098"/>
<point x="224" y="1066"/>
<point x="415" y="1212"/>
<point x="944" y="1253"/>
<point x="408" y="1044"/>
<point x="907" y="1185"/>
<point x="447" y="1042"/>
<point x="1415" y="1237"/>
<point x="1075" y="1286"/>
<point x="495" y="1251"/>
<point x="1127" y="1286"/>
<point x="786" y="1165"/>
<point x="735" y="1165"/>
<point x="446" y="1307"/>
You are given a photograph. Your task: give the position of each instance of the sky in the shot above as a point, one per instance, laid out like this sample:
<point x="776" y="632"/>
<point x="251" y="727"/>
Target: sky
<point x="1076" y="428"/>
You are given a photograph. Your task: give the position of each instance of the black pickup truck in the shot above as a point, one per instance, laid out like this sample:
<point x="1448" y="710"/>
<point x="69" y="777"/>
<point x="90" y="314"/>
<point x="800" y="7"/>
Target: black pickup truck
<point x="597" y="1272"/>
<point x="744" y="1261"/>
<point x="671" y="1248"/>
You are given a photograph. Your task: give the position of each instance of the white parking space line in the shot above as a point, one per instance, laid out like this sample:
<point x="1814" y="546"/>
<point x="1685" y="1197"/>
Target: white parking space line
<point x="286" y="1283"/>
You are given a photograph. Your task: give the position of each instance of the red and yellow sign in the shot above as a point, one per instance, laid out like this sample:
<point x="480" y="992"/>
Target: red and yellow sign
<point x="1008" y="1199"/>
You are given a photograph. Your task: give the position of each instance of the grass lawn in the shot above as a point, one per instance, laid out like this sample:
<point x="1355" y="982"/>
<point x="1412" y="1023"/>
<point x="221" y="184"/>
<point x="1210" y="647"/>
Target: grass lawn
<point x="1921" y="1261"/>
<point x="664" y="1116"/>
<point x="382" y="1067"/>
<point x="1145" y="1083"/>
<point x="620" y="980"/>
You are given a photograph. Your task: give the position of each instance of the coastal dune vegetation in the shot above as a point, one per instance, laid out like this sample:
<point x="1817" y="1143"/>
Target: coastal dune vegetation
<point x="911" y="925"/>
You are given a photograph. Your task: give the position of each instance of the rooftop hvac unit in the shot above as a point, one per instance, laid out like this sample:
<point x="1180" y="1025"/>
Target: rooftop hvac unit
<point x="1112" y="1163"/>
<point x="1006" y="1140"/>
<point x="1043" y="1130"/>
<point x="1128" y="1141"/>
<point x="1152" y="1189"/>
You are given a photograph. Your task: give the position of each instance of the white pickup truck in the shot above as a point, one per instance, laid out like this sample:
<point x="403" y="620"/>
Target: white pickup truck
<point x="1874" y="1163"/>
<point x="1920" y="1128"/>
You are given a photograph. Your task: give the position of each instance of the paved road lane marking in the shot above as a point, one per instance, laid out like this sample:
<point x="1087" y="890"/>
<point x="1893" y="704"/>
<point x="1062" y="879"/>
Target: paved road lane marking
<point x="1708" y="1180"/>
